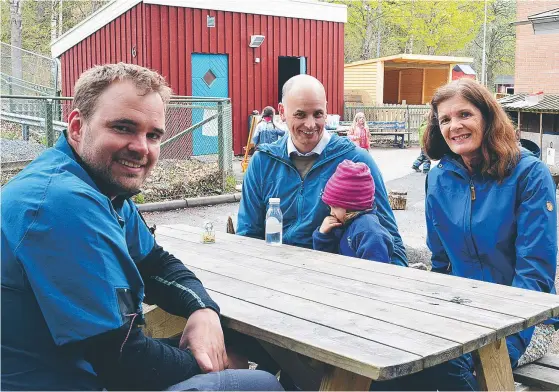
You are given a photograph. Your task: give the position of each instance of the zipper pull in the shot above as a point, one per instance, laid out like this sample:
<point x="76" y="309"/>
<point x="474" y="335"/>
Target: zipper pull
<point x="472" y="191"/>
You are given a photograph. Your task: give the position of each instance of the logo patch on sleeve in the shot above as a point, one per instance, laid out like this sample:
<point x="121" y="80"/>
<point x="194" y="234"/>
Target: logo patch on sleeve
<point x="549" y="206"/>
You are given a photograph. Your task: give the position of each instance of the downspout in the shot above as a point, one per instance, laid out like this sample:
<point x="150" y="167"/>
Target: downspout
<point x="541" y="135"/>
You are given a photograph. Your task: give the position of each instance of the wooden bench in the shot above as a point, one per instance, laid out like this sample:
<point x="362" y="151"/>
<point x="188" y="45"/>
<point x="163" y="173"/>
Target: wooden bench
<point x="381" y="128"/>
<point x="542" y="374"/>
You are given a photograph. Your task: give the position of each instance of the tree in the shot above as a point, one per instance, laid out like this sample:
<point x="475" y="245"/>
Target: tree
<point x="16" y="38"/>
<point x="436" y="27"/>
<point x="500" y="41"/>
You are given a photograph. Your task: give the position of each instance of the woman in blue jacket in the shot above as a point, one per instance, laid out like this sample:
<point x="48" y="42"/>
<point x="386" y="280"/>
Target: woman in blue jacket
<point x="490" y="206"/>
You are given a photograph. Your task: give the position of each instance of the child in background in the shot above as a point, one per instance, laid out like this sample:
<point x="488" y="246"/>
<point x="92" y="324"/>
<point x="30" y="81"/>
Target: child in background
<point x="422" y="158"/>
<point x="266" y="130"/>
<point x="353" y="228"/>
<point x="359" y="132"/>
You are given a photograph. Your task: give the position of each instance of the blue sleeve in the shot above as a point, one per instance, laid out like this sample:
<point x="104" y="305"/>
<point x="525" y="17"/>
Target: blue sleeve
<point x="252" y="209"/>
<point x="77" y="262"/>
<point x="256" y="135"/>
<point x="536" y="243"/>
<point x="325" y="242"/>
<point x="280" y="132"/>
<point x="374" y="246"/>
<point x="439" y="259"/>
<point x="385" y="214"/>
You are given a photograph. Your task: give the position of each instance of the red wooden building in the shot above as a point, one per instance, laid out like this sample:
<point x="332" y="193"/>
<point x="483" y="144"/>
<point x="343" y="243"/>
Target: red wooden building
<point x="184" y="39"/>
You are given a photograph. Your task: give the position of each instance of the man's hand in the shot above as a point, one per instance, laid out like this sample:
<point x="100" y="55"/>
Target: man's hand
<point x="204" y="337"/>
<point x="328" y="224"/>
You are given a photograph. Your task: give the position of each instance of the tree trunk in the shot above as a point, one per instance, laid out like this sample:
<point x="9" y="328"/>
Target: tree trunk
<point x="16" y="40"/>
<point x="53" y="20"/>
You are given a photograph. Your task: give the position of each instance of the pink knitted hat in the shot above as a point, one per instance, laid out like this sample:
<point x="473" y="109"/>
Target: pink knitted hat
<point x="350" y="187"/>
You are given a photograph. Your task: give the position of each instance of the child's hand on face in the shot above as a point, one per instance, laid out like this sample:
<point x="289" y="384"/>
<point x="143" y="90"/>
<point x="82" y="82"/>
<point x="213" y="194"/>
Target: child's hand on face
<point x="328" y="224"/>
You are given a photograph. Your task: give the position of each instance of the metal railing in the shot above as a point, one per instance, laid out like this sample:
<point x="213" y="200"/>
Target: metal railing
<point x="411" y="115"/>
<point x="198" y="129"/>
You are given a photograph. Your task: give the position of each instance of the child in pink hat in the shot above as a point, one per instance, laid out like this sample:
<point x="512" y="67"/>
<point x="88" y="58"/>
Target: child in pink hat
<point x="352" y="228"/>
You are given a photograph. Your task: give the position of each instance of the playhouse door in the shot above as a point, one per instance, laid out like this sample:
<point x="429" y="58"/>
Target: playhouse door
<point x="209" y="79"/>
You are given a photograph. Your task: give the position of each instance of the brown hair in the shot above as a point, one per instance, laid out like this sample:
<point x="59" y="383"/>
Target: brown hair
<point x="94" y="81"/>
<point x="499" y="150"/>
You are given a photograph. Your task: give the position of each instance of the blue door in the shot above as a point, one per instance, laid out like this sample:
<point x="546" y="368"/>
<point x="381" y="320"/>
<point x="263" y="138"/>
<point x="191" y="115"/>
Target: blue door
<point x="209" y="79"/>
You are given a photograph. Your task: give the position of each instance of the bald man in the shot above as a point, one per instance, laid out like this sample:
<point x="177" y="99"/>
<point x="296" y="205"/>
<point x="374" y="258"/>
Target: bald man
<point x="297" y="167"/>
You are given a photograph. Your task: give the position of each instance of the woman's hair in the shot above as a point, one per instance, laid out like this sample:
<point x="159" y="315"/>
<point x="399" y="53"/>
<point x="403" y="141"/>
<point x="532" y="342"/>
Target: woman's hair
<point x="359" y="115"/>
<point x="499" y="150"/>
<point x="268" y="111"/>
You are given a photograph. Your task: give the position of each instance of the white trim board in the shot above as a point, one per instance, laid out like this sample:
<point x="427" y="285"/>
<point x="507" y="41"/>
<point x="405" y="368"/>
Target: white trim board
<point x="304" y="9"/>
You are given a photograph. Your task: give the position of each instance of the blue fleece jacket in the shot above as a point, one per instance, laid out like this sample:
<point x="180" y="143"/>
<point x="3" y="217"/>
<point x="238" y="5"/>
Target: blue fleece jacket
<point x="271" y="173"/>
<point x="363" y="237"/>
<point x="505" y="233"/>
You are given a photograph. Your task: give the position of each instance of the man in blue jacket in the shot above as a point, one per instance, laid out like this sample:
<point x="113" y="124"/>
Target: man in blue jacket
<point x="297" y="167"/>
<point x="78" y="260"/>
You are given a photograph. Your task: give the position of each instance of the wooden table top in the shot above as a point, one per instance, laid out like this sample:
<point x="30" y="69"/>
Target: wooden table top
<point x="377" y="320"/>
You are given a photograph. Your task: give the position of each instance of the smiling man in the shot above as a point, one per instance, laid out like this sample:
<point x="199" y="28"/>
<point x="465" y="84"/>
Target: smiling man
<point x="297" y="167"/>
<point x="78" y="260"/>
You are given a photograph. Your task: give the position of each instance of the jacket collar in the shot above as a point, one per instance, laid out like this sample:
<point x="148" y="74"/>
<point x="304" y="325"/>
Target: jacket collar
<point x="336" y="146"/>
<point x="322" y="143"/>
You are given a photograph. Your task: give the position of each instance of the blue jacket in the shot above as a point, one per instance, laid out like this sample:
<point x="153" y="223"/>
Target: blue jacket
<point x="72" y="262"/>
<point x="363" y="237"/>
<point x="507" y="235"/>
<point x="272" y="174"/>
<point x="266" y="132"/>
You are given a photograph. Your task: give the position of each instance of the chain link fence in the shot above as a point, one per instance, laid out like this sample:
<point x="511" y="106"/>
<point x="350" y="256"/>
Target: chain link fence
<point x="27" y="73"/>
<point x="196" y="156"/>
<point x="411" y="115"/>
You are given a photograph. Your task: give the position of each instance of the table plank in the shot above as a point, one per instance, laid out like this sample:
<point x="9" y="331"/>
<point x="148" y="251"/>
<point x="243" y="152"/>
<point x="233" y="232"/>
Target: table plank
<point x="431" y="348"/>
<point x="470" y="336"/>
<point x="337" y="379"/>
<point x="505" y="324"/>
<point x="317" y="262"/>
<point x="331" y="346"/>
<point x="474" y="286"/>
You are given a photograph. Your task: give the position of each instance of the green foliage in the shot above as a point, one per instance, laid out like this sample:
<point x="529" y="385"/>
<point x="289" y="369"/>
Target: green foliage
<point x="230" y="183"/>
<point x="139" y="198"/>
<point x="36" y="20"/>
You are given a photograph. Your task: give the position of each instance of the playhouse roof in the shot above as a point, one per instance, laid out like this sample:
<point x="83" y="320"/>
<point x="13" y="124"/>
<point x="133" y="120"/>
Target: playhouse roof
<point x="415" y="58"/>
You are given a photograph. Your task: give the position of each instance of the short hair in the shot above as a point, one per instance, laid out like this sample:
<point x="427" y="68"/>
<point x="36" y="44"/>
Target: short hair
<point x="268" y="111"/>
<point x="499" y="150"/>
<point x="287" y="86"/>
<point x="94" y="81"/>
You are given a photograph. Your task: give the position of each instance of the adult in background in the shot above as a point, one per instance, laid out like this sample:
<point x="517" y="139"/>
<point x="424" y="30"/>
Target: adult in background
<point x="266" y="130"/>
<point x="78" y="260"/>
<point x="490" y="212"/>
<point x="422" y="159"/>
<point x="296" y="170"/>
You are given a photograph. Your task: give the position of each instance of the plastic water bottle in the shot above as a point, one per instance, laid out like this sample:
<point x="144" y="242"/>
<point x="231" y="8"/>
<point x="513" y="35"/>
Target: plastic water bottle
<point x="274" y="223"/>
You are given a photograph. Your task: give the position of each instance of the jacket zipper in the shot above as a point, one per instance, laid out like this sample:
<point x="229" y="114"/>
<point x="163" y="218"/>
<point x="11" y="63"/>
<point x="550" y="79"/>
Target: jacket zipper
<point x="472" y="190"/>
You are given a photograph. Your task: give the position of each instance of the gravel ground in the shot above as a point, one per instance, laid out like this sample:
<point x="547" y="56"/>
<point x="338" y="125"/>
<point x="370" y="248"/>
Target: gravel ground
<point x="19" y="150"/>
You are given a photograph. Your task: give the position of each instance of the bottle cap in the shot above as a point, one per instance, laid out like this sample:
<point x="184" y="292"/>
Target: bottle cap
<point x="274" y="200"/>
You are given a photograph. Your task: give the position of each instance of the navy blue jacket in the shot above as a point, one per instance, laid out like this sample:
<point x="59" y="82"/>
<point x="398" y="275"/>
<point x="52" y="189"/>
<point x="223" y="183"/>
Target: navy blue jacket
<point x="271" y="173"/>
<point x="504" y="233"/>
<point x="363" y="237"/>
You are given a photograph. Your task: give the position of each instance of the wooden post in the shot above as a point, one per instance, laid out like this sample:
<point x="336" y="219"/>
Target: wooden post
<point x="423" y="88"/>
<point x="541" y="135"/>
<point x="519" y="129"/>
<point x="493" y="369"/>
<point x="400" y="86"/>
<point x="337" y="379"/>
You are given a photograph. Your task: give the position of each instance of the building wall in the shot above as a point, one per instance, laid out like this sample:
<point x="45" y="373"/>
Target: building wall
<point x="411" y="81"/>
<point x="434" y="78"/>
<point x="391" y="83"/>
<point x="165" y="37"/>
<point x="537" y="56"/>
<point x="362" y="80"/>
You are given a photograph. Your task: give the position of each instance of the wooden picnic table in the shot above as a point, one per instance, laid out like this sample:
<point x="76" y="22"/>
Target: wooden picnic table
<point x="368" y="321"/>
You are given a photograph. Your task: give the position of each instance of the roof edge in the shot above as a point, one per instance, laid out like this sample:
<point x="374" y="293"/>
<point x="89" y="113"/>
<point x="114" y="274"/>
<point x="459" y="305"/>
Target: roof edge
<point x="415" y="57"/>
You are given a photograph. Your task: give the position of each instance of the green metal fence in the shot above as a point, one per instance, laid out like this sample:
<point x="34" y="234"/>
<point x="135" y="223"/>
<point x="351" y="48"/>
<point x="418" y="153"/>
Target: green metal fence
<point x="197" y="141"/>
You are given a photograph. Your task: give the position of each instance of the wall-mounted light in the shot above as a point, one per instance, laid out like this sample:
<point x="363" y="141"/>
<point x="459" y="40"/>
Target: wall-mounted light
<point x="256" y="41"/>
